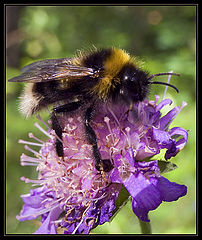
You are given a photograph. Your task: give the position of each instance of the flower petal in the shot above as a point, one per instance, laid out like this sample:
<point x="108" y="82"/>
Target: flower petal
<point x="166" y="120"/>
<point x="163" y="103"/>
<point x="170" y="191"/>
<point x="162" y="138"/>
<point x="32" y="205"/>
<point x="48" y="226"/>
<point x="179" y="145"/>
<point x="182" y="132"/>
<point x="145" y="196"/>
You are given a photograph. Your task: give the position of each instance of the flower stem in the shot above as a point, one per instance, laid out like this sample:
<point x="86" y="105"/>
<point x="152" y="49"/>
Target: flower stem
<point x="145" y="227"/>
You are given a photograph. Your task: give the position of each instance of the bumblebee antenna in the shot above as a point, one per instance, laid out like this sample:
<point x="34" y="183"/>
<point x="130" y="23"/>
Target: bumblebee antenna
<point x="167" y="84"/>
<point x="160" y="74"/>
<point x="163" y="83"/>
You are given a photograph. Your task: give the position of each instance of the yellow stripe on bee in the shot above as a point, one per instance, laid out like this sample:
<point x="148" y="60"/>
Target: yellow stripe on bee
<point x="112" y="66"/>
<point x="115" y="62"/>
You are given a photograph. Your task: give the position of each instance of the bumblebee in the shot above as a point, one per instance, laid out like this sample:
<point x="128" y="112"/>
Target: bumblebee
<point x="84" y="82"/>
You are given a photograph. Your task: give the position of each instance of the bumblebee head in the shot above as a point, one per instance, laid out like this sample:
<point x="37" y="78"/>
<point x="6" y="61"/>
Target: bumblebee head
<point x="135" y="83"/>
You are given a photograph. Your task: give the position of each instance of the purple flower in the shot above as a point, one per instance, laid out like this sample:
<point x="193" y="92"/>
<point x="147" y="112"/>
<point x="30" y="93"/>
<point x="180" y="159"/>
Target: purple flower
<point x="145" y="185"/>
<point x="73" y="197"/>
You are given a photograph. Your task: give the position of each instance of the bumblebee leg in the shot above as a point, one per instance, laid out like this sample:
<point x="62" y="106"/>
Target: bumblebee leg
<point x="58" y="130"/>
<point x="69" y="107"/>
<point x="100" y="164"/>
<point x="56" y="125"/>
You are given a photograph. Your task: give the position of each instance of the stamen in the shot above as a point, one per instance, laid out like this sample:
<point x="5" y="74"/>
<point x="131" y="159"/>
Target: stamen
<point x="27" y="160"/>
<point x="39" y="181"/>
<point x="58" y="138"/>
<point x="42" y="130"/>
<point x="39" y="117"/>
<point x="56" y="221"/>
<point x="128" y="136"/>
<point x="29" y="143"/>
<point x="106" y="119"/>
<point x="96" y="199"/>
<point x="31" y="135"/>
<point x="34" y="152"/>
<point x="114" y="116"/>
<point x="184" y="104"/>
<point x="168" y="81"/>
<point x="48" y="205"/>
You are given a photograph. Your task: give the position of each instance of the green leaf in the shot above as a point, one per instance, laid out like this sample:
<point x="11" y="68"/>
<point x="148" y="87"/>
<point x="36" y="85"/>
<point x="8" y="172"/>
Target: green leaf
<point x="166" y="166"/>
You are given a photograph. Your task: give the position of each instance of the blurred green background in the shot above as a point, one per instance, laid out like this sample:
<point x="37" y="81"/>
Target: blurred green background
<point x="164" y="37"/>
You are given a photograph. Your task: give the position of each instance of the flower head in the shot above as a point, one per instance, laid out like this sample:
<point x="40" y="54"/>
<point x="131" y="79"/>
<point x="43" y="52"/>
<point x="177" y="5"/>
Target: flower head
<point x="73" y="197"/>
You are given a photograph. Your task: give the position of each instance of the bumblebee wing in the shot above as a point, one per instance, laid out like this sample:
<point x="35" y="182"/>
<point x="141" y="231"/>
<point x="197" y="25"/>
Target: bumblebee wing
<point x="46" y="62"/>
<point x="52" y="70"/>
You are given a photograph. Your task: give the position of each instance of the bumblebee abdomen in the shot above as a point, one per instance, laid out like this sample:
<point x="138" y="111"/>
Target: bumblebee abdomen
<point x="30" y="100"/>
<point x="38" y="95"/>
